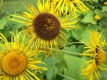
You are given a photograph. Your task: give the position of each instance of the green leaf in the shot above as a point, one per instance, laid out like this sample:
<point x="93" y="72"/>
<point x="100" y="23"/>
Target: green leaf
<point x="95" y="1"/>
<point x="67" y="29"/>
<point x="103" y="75"/>
<point x="76" y="34"/>
<point x="67" y="75"/>
<point x="104" y="8"/>
<point x="103" y="23"/>
<point x="52" y="69"/>
<point x="18" y="25"/>
<point x="70" y="49"/>
<point x="61" y="64"/>
<point x="2" y="23"/>
<point x="81" y="28"/>
<point x="67" y="35"/>
<point x="80" y="48"/>
<point x="52" y="72"/>
<point x="94" y="27"/>
<point x="99" y="12"/>
<point x="73" y="48"/>
<point x="103" y="72"/>
<point x="85" y="36"/>
<point x="74" y="68"/>
<point x="89" y="18"/>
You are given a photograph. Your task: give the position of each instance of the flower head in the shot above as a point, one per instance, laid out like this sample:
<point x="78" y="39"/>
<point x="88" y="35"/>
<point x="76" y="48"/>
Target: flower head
<point x="105" y="3"/>
<point x="17" y="59"/>
<point x="96" y="54"/>
<point x="71" y="6"/>
<point x="44" y="25"/>
<point x="97" y="17"/>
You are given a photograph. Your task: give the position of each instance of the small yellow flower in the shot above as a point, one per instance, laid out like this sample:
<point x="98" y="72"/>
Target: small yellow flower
<point x="45" y="25"/>
<point x="96" y="54"/>
<point x="17" y="60"/>
<point x="97" y="17"/>
<point x="105" y="3"/>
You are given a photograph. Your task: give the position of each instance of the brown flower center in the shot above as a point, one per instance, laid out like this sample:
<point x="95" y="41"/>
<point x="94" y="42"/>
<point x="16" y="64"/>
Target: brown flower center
<point x="46" y="26"/>
<point x="100" y="55"/>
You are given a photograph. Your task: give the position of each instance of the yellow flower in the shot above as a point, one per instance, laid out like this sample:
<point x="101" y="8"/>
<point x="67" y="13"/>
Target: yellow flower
<point x="105" y="3"/>
<point x="44" y="24"/>
<point x="17" y="60"/>
<point x="71" y="6"/>
<point x="96" y="54"/>
<point x="97" y="17"/>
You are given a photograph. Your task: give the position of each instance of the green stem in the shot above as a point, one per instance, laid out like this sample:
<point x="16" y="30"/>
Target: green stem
<point x="69" y="78"/>
<point x="69" y="52"/>
<point x="75" y="42"/>
<point x="74" y="53"/>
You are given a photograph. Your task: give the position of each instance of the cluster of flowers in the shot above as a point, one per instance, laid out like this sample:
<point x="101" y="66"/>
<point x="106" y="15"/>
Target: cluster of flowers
<point x="43" y="28"/>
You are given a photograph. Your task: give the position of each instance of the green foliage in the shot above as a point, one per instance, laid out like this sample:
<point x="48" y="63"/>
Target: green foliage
<point x="89" y="18"/>
<point x="52" y="69"/>
<point x="1" y="3"/>
<point x="2" y="23"/>
<point x="74" y="68"/>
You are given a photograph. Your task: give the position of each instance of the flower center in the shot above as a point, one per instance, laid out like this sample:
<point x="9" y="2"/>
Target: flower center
<point x="13" y="63"/>
<point x="100" y="56"/>
<point x="46" y="26"/>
